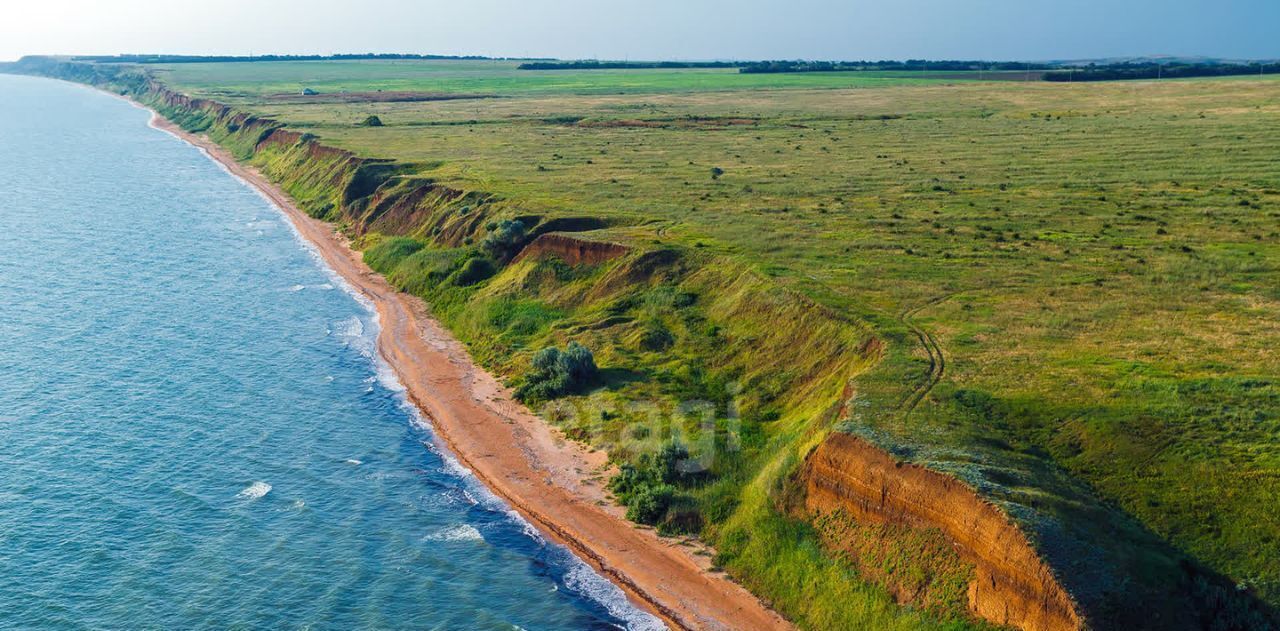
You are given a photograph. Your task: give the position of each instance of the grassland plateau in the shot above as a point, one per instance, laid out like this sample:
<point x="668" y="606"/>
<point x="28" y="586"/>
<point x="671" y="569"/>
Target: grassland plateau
<point x="960" y="353"/>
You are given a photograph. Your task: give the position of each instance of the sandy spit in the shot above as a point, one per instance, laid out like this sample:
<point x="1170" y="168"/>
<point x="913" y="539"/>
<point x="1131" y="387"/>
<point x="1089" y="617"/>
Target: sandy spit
<point x="552" y="482"/>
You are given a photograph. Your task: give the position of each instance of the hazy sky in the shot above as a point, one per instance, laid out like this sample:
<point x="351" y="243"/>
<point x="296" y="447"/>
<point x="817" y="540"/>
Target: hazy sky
<point x="649" y="29"/>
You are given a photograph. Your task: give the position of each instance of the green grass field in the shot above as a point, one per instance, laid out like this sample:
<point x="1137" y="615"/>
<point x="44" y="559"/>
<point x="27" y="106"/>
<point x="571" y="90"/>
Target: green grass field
<point x="243" y="82"/>
<point x="1097" y="266"/>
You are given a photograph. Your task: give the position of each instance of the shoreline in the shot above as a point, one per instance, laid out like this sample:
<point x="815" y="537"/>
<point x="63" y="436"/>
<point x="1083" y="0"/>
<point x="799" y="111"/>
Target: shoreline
<point x="515" y="454"/>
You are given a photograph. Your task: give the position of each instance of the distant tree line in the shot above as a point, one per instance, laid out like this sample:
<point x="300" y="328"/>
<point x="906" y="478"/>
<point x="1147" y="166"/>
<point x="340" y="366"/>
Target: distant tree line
<point x="779" y="66"/>
<point x="622" y="65"/>
<point x="940" y="65"/>
<point x="195" y="59"/>
<point x="1151" y="70"/>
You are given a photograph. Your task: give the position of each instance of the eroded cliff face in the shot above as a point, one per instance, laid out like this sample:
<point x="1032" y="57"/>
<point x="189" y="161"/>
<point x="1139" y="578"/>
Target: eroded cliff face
<point x="1012" y="585"/>
<point x="572" y="250"/>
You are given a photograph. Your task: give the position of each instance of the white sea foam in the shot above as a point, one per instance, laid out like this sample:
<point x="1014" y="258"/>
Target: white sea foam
<point x="353" y="462"/>
<point x="260" y="224"/>
<point x="460" y="532"/>
<point x="254" y="491"/>
<point x="585" y="581"/>
<point x="364" y="340"/>
<point x="351" y="328"/>
<point x="451" y="466"/>
<point x="471" y="499"/>
<point x="388" y="379"/>
<point x="321" y="287"/>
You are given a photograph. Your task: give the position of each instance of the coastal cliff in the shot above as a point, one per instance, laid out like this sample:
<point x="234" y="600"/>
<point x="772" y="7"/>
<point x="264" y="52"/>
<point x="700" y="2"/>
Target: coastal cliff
<point x="1011" y="584"/>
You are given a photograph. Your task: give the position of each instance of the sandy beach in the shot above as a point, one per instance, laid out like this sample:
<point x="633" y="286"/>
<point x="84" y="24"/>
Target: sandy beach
<point x="553" y="482"/>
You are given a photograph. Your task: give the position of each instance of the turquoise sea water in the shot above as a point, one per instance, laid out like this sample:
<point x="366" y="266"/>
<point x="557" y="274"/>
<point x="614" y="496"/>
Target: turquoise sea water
<point x="194" y="431"/>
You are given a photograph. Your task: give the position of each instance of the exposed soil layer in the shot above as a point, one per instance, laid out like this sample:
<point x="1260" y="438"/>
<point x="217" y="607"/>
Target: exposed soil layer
<point x="572" y="250"/>
<point x="1012" y="585"/>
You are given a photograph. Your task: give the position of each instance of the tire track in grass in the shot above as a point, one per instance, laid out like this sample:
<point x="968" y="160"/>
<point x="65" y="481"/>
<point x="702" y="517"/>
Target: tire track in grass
<point x="937" y="359"/>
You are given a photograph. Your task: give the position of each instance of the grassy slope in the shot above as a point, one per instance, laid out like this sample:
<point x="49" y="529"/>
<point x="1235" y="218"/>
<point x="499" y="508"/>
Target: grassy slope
<point x="1097" y="263"/>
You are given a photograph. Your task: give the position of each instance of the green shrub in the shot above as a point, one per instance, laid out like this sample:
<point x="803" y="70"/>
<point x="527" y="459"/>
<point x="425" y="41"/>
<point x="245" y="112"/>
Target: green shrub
<point x="555" y="373"/>
<point x="682" y="518"/>
<point x="503" y="238"/>
<point x="473" y="271"/>
<point x="628" y="481"/>
<point x="656" y="337"/>
<point x="649" y="504"/>
<point x="578" y="363"/>
<point x="371" y="121"/>
<point x="648" y="490"/>
<point x="670" y="463"/>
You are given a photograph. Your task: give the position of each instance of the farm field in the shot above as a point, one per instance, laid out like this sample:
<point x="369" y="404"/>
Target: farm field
<point x="1075" y="287"/>
<point x="245" y="81"/>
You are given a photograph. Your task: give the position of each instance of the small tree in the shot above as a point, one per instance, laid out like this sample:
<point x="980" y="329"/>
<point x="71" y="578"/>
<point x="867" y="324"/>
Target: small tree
<point x="503" y="237"/>
<point x="371" y="121"/>
<point x="716" y="172"/>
